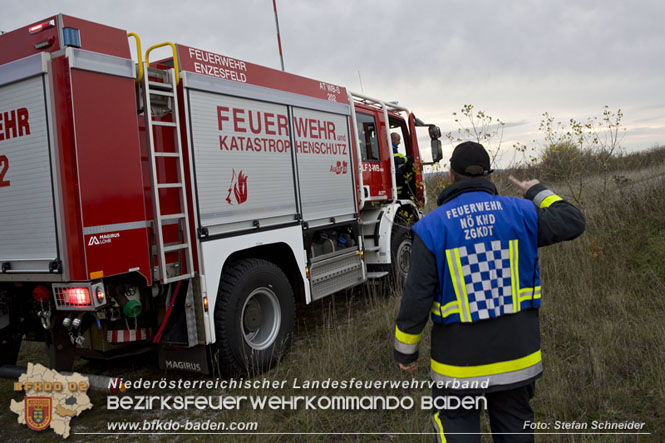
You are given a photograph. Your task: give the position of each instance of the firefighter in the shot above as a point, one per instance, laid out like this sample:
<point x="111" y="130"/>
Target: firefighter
<point x="402" y="166"/>
<point x="474" y="271"/>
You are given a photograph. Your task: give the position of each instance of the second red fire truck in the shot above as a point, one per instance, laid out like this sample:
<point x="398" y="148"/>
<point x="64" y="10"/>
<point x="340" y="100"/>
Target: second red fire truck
<point x="185" y="204"/>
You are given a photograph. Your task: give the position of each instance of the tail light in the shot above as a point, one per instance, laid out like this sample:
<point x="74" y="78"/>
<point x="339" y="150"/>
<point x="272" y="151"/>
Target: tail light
<point x="79" y="296"/>
<point x="73" y="297"/>
<point x="41" y="294"/>
<point x="99" y="293"/>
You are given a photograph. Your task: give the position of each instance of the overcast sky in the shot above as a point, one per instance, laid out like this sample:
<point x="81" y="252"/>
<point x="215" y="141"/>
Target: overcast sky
<point x="512" y="59"/>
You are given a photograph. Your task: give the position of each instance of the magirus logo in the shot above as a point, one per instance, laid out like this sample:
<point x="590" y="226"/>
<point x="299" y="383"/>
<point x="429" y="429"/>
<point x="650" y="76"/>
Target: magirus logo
<point x="102" y="239"/>
<point x="237" y="189"/>
<point x="342" y="167"/>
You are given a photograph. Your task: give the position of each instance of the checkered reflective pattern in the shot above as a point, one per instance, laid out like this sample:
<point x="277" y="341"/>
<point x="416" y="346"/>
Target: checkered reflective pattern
<point x="487" y="277"/>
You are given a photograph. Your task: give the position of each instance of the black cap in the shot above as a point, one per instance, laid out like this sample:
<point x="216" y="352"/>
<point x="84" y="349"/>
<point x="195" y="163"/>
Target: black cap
<point x="470" y="159"/>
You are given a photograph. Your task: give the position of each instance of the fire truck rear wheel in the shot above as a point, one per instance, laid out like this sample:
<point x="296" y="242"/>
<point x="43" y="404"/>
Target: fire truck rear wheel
<point x="10" y="335"/>
<point x="254" y="316"/>
<point x="10" y="344"/>
<point x="400" y="251"/>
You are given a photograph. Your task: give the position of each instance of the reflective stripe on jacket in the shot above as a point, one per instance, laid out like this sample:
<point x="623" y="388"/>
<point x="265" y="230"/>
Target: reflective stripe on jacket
<point x="401" y="161"/>
<point x="503" y="350"/>
<point x="486" y="249"/>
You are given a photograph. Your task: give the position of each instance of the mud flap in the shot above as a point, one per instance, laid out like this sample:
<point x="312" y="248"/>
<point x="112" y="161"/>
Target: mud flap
<point x="194" y="359"/>
<point x="181" y="327"/>
<point x="60" y="349"/>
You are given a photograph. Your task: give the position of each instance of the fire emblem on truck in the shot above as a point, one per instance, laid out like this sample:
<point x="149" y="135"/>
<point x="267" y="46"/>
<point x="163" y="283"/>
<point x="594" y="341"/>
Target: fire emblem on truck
<point x="237" y="189"/>
<point x="341" y="167"/>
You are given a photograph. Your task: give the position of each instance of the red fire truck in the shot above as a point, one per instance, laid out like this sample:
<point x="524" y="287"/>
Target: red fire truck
<point x="185" y="204"/>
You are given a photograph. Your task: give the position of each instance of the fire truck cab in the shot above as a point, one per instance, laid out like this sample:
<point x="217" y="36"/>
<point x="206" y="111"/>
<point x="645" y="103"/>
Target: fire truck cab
<point x="185" y="204"/>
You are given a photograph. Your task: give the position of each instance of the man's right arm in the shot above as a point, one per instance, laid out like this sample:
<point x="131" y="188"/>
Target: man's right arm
<point x="558" y="220"/>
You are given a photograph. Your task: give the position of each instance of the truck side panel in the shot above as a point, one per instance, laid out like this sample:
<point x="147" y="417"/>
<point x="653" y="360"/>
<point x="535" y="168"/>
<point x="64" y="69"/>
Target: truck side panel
<point x="377" y="156"/>
<point x="111" y="185"/>
<point x="27" y="217"/>
<point x="325" y="166"/>
<point x="241" y="72"/>
<point x="99" y="38"/>
<point x="21" y="43"/>
<point x="243" y="162"/>
<point x="66" y="170"/>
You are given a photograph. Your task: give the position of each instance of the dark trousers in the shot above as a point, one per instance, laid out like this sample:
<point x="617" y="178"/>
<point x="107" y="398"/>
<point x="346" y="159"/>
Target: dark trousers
<point x="508" y="412"/>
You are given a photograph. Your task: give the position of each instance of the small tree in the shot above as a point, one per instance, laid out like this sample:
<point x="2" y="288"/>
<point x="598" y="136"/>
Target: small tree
<point x="605" y="136"/>
<point x="436" y="181"/>
<point x="575" y="151"/>
<point x="479" y="127"/>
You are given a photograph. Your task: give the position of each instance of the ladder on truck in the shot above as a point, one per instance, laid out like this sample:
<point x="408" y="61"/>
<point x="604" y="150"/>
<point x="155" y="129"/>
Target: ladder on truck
<point x="160" y="97"/>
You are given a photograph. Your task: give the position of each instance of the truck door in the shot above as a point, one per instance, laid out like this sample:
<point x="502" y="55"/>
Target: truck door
<point x="417" y="162"/>
<point x="412" y="172"/>
<point x="28" y="241"/>
<point x="376" y="158"/>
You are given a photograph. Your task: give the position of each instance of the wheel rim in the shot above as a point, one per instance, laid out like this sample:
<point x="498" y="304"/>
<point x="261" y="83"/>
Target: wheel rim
<point x="261" y="318"/>
<point x="403" y="257"/>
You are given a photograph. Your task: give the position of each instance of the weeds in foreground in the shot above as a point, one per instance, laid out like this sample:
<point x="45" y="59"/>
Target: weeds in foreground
<point x="602" y="335"/>
<point x="602" y="342"/>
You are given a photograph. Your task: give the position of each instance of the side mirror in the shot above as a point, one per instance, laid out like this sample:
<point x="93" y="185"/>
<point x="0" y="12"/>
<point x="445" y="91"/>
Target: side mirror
<point x="437" y="155"/>
<point x="434" y="132"/>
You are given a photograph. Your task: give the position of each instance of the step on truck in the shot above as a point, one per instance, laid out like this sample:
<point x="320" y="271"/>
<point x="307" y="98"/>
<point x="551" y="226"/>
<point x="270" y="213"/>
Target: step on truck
<point x="185" y="204"/>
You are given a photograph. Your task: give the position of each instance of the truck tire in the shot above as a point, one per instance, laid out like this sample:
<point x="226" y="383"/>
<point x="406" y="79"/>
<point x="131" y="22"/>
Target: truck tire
<point x="254" y="317"/>
<point x="10" y="335"/>
<point x="10" y="344"/>
<point x="400" y="254"/>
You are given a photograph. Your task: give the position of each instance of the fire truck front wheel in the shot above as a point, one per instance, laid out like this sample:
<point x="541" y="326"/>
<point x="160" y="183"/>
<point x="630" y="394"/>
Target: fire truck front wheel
<point x="254" y="316"/>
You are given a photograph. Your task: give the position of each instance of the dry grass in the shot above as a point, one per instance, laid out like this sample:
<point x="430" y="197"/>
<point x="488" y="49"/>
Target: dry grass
<point x="602" y="328"/>
<point x="602" y="314"/>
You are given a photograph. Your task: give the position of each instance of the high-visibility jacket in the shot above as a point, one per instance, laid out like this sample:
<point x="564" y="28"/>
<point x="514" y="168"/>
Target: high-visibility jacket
<point x="401" y="162"/>
<point x="478" y="280"/>
<point x="486" y="249"/>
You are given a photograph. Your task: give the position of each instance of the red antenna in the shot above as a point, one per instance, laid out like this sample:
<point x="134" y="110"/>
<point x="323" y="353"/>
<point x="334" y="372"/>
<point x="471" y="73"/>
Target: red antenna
<point x="279" y="41"/>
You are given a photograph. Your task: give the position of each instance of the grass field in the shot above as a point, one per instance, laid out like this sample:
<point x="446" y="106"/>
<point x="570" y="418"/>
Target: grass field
<point x="602" y="340"/>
